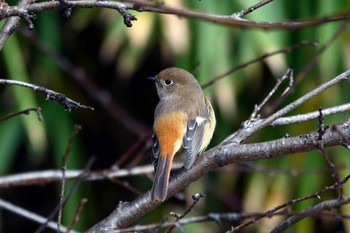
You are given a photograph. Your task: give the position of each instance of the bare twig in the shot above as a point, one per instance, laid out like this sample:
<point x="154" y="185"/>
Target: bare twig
<point x="25" y="112"/>
<point x="321" y="130"/>
<point x="76" y="131"/>
<point x="75" y="219"/>
<point x="196" y="198"/>
<point x="50" y="95"/>
<point x="287" y="75"/>
<point x="28" y="215"/>
<point x="252" y="8"/>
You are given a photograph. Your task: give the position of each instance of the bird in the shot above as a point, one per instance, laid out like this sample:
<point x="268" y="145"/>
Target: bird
<point x="184" y="123"/>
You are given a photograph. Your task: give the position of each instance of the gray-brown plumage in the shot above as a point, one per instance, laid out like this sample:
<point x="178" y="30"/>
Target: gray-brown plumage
<point x="184" y="120"/>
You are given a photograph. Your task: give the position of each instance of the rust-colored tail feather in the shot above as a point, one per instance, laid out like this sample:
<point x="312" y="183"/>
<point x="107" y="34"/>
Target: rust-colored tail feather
<point x="161" y="179"/>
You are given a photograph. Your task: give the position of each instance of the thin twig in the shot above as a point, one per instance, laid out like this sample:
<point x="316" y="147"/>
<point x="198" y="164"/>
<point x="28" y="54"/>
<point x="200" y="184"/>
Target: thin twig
<point x="196" y="198"/>
<point x="321" y="130"/>
<point x="75" y="219"/>
<point x="126" y="185"/>
<point x="76" y="131"/>
<point x="287" y="49"/>
<point x="25" y="112"/>
<point x="287" y="75"/>
<point x="50" y="95"/>
<point x="253" y="8"/>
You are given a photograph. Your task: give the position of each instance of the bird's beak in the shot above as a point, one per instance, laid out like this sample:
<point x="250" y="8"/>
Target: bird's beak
<point x="152" y="78"/>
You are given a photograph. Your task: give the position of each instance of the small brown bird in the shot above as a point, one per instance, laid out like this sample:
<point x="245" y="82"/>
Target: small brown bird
<point x="184" y="120"/>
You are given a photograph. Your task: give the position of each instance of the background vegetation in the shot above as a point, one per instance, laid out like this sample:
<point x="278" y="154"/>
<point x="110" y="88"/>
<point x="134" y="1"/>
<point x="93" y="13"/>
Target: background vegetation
<point x="114" y="61"/>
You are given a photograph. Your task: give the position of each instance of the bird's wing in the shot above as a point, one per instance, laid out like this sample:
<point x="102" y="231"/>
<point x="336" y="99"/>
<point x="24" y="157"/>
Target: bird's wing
<point x="155" y="151"/>
<point x="192" y="140"/>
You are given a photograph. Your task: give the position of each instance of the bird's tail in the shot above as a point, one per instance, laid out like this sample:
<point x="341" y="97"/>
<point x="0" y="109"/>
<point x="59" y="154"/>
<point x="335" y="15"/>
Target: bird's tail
<point x="161" y="179"/>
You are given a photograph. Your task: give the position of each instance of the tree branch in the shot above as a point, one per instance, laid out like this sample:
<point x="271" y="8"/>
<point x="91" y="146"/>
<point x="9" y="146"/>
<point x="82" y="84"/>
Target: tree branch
<point x="127" y="212"/>
<point x="233" y="20"/>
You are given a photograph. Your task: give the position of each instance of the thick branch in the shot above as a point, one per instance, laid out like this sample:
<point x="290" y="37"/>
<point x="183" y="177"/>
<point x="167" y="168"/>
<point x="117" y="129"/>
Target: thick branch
<point x="222" y="154"/>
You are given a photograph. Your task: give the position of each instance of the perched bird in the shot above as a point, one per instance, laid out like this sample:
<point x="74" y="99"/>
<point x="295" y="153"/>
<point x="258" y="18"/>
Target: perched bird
<point x="184" y="120"/>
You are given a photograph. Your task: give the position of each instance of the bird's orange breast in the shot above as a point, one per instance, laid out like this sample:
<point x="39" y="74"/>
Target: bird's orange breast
<point x="170" y="129"/>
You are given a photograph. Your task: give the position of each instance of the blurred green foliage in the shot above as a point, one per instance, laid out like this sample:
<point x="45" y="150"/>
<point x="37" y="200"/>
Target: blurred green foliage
<point x="118" y="59"/>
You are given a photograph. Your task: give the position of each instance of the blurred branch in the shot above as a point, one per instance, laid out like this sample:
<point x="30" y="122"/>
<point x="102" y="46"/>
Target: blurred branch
<point x="93" y="91"/>
<point x="77" y="213"/>
<point x="50" y="95"/>
<point x="27" y="10"/>
<point x="323" y="206"/>
<point x="48" y="176"/>
<point x="25" y="112"/>
<point x="287" y="49"/>
<point x="29" y="215"/>
<point x="76" y="131"/>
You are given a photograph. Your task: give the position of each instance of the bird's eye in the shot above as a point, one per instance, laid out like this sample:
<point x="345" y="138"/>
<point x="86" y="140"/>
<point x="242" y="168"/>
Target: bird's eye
<point x="168" y="82"/>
